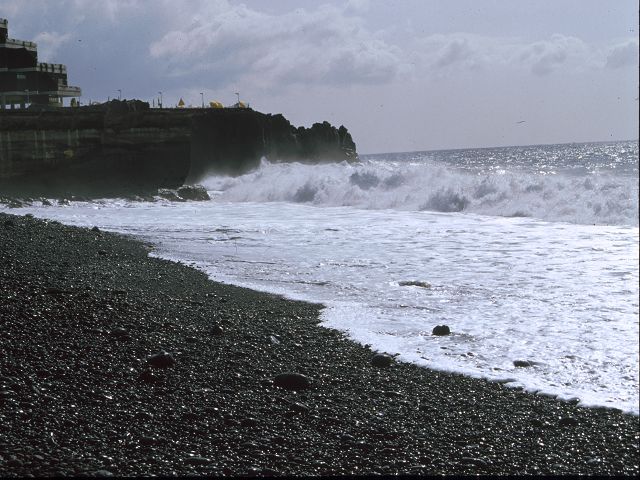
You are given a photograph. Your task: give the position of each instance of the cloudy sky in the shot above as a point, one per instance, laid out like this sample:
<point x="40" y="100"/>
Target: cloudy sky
<point x="402" y="75"/>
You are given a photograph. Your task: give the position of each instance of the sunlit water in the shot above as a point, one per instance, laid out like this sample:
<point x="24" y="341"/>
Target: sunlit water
<point x="531" y="253"/>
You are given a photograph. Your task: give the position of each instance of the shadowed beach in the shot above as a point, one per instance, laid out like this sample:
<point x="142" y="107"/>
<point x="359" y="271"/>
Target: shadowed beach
<point x="82" y="312"/>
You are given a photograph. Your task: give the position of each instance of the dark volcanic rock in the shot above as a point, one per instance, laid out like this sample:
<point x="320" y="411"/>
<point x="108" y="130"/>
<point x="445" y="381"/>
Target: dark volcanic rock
<point x="161" y="360"/>
<point x="441" y="330"/>
<point x="414" y="283"/>
<point x="197" y="461"/>
<point x="147" y="376"/>
<point x="120" y="333"/>
<point x="522" y="363"/>
<point x="216" y="330"/>
<point x="292" y="381"/>
<point x="126" y="148"/>
<point x="381" y="360"/>
<point x="169" y="194"/>
<point x="568" y="422"/>
<point x="193" y="192"/>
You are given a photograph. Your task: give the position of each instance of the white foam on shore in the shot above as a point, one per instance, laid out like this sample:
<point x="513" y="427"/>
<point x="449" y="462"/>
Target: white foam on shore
<point x="562" y="295"/>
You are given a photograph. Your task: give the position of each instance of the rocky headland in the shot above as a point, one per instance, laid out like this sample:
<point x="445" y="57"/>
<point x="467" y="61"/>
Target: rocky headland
<point x="125" y="147"/>
<point x="116" y="363"/>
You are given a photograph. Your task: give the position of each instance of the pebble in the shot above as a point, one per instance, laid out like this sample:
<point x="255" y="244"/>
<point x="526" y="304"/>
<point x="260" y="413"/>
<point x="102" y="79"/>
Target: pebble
<point x="299" y="407"/>
<point x="14" y="463"/>
<point x="381" y="360"/>
<point x="120" y="332"/>
<point x="478" y="462"/>
<point x="146" y="376"/>
<point x="217" y="330"/>
<point x="568" y="422"/>
<point x="147" y="441"/>
<point x="292" y="381"/>
<point x="347" y="438"/>
<point x="249" y="422"/>
<point x="161" y="360"/>
<point x="197" y="461"/>
<point x="102" y="473"/>
<point x="146" y="416"/>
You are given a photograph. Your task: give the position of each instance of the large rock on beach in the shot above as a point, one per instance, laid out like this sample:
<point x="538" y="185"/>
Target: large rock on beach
<point x="441" y="330"/>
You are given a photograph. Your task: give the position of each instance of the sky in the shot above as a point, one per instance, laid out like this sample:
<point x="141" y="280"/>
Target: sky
<point x="401" y="75"/>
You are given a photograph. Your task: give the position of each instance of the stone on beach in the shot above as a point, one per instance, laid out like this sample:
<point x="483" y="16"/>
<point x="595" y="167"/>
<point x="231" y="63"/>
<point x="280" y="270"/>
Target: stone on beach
<point x="523" y="363"/>
<point x="414" y="283"/>
<point x="146" y="376"/>
<point x="161" y="360"/>
<point x="292" y="381"/>
<point x="216" y="330"/>
<point x="567" y="422"/>
<point x="197" y="460"/>
<point x="441" y="330"/>
<point x="381" y="360"/>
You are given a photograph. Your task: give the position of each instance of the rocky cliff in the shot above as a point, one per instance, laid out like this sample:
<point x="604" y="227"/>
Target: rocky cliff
<point x="127" y="147"/>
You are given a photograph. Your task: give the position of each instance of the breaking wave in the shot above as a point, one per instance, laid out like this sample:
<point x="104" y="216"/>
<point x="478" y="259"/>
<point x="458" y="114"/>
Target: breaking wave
<point x="589" y="198"/>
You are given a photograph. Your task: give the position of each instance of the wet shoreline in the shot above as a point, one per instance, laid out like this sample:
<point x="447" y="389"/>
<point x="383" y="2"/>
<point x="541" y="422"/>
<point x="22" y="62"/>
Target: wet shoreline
<point x="82" y="310"/>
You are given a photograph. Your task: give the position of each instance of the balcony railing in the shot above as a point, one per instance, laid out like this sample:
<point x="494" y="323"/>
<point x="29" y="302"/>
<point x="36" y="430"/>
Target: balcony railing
<point x="23" y="43"/>
<point x="52" y="67"/>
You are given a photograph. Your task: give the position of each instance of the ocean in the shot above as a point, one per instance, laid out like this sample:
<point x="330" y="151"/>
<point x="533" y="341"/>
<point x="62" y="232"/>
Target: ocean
<point x="526" y="253"/>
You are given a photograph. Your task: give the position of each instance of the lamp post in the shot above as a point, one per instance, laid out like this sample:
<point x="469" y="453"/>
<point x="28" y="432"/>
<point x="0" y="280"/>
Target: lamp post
<point x="119" y="94"/>
<point x="202" y="98"/>
<point x="160" y="93"/>
<point x="27" y="92"/>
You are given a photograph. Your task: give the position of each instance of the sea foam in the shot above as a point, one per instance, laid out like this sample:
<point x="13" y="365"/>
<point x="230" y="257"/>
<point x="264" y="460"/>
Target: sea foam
<point x="601" y="198"/>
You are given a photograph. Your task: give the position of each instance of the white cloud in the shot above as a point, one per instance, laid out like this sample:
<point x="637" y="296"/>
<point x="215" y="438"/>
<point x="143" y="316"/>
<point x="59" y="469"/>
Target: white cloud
<point x="623" y="55"/>
<point x="462" y="51"/>
<point x="49" y="43"/>
<point x="323" y="46"/>
<point x="545" y="56"/>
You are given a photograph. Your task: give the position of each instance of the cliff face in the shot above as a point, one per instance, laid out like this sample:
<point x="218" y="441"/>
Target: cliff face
<point x="126" y="147"/>
<point x="234" y="143"/>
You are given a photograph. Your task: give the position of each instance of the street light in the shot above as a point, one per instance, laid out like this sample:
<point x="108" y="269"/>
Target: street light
<point x="119" y="94"/>
<point x="160" y="93"/>
<point x="202" y="97"/>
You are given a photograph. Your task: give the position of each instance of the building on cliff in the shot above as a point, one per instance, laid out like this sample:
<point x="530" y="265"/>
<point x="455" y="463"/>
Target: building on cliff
<point x="24" y="80"/>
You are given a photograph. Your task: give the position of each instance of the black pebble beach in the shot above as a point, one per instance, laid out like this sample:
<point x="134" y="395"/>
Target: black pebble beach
<point x="83" y="312"/>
